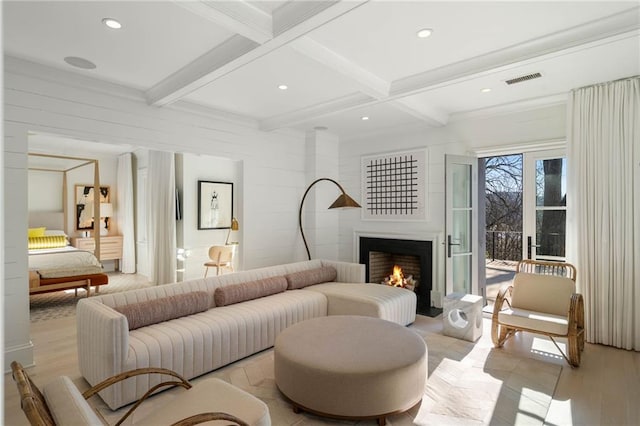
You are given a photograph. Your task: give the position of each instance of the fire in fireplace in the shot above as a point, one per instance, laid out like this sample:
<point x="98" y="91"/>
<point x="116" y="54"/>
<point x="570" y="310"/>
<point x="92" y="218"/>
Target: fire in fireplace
<point x="397" y="279"/>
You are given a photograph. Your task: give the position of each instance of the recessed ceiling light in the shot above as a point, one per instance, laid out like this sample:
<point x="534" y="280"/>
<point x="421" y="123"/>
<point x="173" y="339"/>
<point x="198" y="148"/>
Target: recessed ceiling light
<point x="424" y="33"/>
<point x="80" y="62"/>
<point x="283" y="87"/>
<point x="364" y="118"/>
<point x="112" y="23"/>
<point x="485" y="90"/>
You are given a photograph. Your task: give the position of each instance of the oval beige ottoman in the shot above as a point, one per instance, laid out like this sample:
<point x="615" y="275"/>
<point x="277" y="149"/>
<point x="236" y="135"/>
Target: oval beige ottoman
<point x="351" y="367"/>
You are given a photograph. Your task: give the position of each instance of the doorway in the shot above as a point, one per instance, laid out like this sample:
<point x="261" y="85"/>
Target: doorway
<point x="525" y="211"/>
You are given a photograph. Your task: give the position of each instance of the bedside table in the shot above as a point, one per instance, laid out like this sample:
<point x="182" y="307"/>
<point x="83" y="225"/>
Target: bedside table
<point x="110" y="247"/>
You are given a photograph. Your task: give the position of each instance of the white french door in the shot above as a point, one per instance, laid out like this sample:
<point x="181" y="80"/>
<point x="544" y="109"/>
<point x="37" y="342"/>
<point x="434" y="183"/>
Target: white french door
<point x="461" y="224"/>
<point x="544" y="205"/>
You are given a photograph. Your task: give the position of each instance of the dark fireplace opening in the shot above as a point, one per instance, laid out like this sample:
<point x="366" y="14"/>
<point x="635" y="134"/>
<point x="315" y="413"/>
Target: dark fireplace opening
<point x="380" y="255"/>
<point x="381" y="266"/>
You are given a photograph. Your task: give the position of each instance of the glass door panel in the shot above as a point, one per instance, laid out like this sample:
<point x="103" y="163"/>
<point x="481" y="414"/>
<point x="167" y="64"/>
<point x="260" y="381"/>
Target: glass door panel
<point x="461" y="215"/>
<point x="545" y="200"/>
<point x="461" y="271"/>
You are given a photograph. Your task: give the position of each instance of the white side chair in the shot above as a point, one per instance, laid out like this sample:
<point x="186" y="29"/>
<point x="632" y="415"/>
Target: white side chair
<point x="220" y="257"/>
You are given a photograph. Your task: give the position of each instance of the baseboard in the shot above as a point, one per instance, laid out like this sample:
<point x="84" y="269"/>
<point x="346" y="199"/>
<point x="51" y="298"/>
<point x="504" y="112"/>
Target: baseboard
<point x="21" y="353"/>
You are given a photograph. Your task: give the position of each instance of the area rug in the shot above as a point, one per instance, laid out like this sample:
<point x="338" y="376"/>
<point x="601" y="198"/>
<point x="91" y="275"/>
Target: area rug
<point x="61" y="304"/>
<point x="476" y="384"/>
<point x="468" y="384"/>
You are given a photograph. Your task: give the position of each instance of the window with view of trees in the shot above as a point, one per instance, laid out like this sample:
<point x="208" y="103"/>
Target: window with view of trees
<point x="503" y="201"/>
<point x="504" y="207"/>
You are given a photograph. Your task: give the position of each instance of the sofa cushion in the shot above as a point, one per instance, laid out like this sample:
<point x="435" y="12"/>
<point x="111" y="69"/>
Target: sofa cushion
<point x="165" y="308"/>
<point x="236" y="293"/>
<point x="310" y="277"/>
<point x="67" y="405"/>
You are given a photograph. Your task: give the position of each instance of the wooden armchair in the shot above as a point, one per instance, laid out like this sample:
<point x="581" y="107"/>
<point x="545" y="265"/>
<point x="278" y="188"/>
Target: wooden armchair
<point x="61" y="403"/>
<point x="542" y="299"/>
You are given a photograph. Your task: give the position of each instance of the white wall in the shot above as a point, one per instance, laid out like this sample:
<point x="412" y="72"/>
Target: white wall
<point x="504" y="131"/>
<point x="45" y="189"/>
<point x="17" y="344"/>
<point x="321" y="225"/>
<point x="205" y="167"/>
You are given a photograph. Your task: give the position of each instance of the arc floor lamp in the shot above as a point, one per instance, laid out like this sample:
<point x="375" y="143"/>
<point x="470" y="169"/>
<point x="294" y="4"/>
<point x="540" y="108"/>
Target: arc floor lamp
<point x="343" y="201"/>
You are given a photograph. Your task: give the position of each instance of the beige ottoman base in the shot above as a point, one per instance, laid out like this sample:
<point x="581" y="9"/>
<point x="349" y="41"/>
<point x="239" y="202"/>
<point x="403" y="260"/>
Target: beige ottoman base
<point x="351" y="367"/>
<point x="297" y="408"/>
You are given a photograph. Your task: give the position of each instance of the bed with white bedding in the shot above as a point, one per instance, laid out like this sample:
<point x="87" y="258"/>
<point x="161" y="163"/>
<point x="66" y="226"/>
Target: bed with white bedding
<point x="64" y="268"/>
<point x="55" y="265"/>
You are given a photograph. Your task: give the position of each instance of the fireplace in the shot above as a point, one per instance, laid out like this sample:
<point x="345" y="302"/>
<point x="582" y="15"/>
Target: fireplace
<point x="379" y="255"/>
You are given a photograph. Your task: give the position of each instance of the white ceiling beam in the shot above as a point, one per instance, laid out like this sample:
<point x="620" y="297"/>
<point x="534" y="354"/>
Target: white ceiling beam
<point x="344" y="103"/>
<point x="237" y="16"/>
<point x="366" y="81"/>
<point x="197" y="73"/>
<point x="566" y="40"/>
<point x="291" y="21"/>
<point x="427" y="113"/>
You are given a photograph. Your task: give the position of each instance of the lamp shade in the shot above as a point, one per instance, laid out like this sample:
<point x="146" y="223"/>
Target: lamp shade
<point x="106" y="210"/>
<point x="234" y="227"/>
<point x="344" y="201"/>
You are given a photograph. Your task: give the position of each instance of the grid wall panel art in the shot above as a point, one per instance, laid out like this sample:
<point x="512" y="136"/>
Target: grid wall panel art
<point x="394" y="186"/>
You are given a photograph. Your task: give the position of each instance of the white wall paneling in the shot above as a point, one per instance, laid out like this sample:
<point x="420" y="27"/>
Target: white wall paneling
<point x="17" y="344"/>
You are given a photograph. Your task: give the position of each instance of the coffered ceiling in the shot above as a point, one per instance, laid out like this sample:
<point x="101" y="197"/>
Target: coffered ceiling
<point x="340" y="60"/>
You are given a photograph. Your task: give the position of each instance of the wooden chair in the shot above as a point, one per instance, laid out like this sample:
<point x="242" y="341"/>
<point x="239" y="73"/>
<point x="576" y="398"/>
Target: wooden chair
<point x="71" y="407"/>
<point x="221" y="257"/>
<point x="542" y="299"/>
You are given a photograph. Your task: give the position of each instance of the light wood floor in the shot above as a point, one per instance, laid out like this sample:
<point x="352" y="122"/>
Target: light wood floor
<point x="603" y="391"/>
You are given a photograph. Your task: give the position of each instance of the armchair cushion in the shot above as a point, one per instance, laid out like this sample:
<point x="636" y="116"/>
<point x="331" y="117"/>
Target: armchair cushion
<point x="210" y="395"/>
<point x="67" y="405"/>
<point x="542" y="293"/>
<point x="540" y="321"/>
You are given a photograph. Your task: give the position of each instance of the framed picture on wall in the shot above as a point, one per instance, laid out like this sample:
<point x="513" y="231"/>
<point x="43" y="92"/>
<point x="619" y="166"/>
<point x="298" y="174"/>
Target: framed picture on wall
<point x="84" y="196"/>
<point x="394" y="186"/>
<point x="215" y="204"/>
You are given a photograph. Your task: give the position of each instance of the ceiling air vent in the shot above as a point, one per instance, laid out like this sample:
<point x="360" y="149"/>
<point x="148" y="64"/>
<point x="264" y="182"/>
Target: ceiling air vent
<point x="524" y="78"/>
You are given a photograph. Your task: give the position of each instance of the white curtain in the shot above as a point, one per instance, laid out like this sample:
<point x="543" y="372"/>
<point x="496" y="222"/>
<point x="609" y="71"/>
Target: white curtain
<point x="161" y="217"/>
<point x="125" y="213"/>
<point x="604" y="205"/>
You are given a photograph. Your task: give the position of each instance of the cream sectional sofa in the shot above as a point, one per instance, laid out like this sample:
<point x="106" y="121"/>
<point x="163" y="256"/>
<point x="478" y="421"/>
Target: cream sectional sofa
<point x="119" y="332"/>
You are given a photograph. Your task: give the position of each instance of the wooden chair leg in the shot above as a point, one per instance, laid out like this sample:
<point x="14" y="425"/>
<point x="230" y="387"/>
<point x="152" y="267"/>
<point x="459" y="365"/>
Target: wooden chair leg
<point x="574" y="350"/>
<point x="499" y="334"/>
<point x="206" y="269"/>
